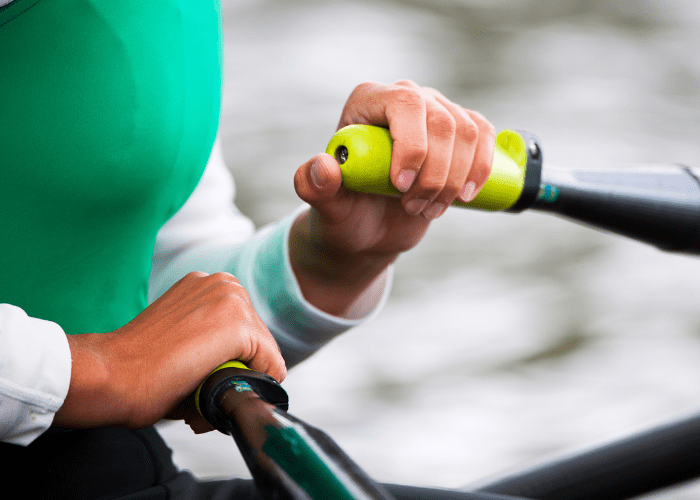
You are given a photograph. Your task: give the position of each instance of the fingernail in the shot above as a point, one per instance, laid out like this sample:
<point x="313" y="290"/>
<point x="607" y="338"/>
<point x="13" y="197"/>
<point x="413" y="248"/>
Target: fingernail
<point x="434" y="211"/>
<point x="467" y="192"/>
<point x="414" y="207"/>
<point x="405" y="180"/>
<point x="318" y="174"/>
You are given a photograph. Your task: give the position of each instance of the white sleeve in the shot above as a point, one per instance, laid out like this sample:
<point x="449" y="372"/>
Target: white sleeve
<point x="209" y="234"/>
<point x="35" y="369"/>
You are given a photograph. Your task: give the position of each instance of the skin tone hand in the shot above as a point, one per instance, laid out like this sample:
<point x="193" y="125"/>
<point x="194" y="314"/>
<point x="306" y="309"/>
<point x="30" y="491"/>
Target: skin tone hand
<point x="441" y="152"/>
<point x="146" y="370"/>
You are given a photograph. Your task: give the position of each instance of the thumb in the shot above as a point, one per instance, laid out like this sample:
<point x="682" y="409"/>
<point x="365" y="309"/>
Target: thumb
<point x="319" y="183"/>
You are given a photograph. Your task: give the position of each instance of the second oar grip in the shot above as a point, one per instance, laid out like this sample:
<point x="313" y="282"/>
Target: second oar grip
<point x="228" y="376"/>
<point x="364" y="153"/>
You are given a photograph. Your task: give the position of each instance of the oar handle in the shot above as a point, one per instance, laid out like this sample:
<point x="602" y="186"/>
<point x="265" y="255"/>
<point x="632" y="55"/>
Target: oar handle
<point x="225" y="377"/>
<point x="364" y="154"/>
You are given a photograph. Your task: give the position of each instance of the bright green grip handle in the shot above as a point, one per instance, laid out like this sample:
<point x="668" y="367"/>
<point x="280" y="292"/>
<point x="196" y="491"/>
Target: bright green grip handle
<point x="364" y="154"/>
<point x="227" y="364"/>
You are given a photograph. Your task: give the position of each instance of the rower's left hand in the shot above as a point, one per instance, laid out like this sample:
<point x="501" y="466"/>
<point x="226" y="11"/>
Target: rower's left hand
<point x="441" y="152"/>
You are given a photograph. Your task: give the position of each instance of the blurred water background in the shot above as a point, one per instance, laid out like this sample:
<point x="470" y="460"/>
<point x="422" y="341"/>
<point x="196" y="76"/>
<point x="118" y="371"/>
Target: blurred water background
<point x="507" y="338"/>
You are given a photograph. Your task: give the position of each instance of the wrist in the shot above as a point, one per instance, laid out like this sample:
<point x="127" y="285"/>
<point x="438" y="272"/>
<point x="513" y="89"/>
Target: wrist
<point x="332" y="278"/>
<point x="92" y="399"/>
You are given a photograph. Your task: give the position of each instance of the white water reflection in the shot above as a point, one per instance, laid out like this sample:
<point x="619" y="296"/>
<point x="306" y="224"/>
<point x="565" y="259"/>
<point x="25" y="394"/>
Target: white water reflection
<point x="507" y="338"/>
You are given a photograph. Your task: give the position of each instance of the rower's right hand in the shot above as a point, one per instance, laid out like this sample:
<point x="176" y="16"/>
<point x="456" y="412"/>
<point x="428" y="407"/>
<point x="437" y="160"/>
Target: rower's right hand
<point x="140" y="373"/>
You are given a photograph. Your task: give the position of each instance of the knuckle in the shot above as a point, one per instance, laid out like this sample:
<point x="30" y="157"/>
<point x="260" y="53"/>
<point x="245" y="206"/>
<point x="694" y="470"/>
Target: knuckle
<point x="364" y="86"/>
<point x="415" y="150"/>
<point x="408" y="97"/>
<point x="482" y="173"/>
<point x="438" y="96"/>
<point x="195" y="275"/>
<point x="450" y="191"/>
<point x="486" y="128"/>
<point x="404" y="82"/>
<point x="230" y="295"/>
<point x="363" y="89"/>
<point x="462" y="121"/>
<point x="224" y="276"/>
<point x="236" y="304"/>
<point x="469" y="131"/>
<point x="235" y="292"/>
<point x="226" y="281"/>
<point x="442" y="125"/>
<point x="490" y="131"/>
<point x="431" y="184"/>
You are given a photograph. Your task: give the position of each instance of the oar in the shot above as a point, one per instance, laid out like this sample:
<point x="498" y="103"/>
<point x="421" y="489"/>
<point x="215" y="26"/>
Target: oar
<point x="287" y="458"/>
<point x="657" y="458"/>
<point x="655" y="204"/>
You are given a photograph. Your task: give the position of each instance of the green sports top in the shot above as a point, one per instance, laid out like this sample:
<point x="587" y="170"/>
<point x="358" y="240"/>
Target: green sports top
<point x="108" y="112"/>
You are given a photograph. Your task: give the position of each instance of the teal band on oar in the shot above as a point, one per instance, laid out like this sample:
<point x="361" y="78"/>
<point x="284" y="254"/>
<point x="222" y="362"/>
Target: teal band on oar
<point x="227" y="364"/>
<point x="295" y="454"/>
<point x="364" y="154"/>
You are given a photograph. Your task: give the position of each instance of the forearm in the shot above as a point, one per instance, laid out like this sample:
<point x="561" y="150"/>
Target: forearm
<point x="332" y="281"/>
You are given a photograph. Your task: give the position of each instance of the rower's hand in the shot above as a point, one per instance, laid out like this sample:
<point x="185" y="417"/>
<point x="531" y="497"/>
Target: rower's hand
<point x="147" y="369"/>
<point x="441" y="152"/>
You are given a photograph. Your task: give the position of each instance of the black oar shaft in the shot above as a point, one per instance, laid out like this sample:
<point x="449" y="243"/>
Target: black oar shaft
<point x="288" y="459"/>
<point x="659" y="205"/>
<point x="659" y="458"/>
<point x="249" y="419"/>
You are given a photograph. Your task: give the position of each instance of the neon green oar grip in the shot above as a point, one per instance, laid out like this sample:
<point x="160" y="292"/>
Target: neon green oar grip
<point x="364" y="154"/>
<point x="227" y="364"/>
<point x="236" y="375"/>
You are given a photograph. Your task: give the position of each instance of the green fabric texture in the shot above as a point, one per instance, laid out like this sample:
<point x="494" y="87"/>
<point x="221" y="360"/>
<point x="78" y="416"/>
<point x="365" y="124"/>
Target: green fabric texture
<point x="109" y="112"/>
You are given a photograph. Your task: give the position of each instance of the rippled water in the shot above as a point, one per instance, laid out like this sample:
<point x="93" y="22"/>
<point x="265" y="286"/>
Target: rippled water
<point x="508" y="338"/>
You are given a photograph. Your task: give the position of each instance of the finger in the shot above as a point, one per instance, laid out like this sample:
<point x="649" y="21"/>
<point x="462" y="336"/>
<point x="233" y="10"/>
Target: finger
<point x="265" y="357"/>
<point x="272" y="365"/>
<point x="197" y="423"/>
<point x="318" y="182"/>
<point x="437" y="181"/>
<point x="201" y="426"/>
<point x="243" y="335"/>
<point x="196" y="286"/>
<point x="187" y="411"/>
<point x="402" y="108"/>
<point x="482" y="162"/>
<point x="179" y="288"/>
<point x="467" y="137"/>
<point x="406" y="112"/>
